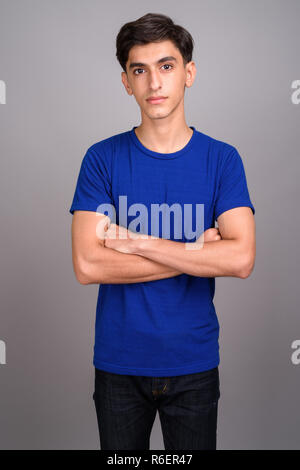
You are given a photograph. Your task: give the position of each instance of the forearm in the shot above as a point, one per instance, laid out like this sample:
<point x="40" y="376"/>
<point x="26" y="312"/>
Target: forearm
<point x="212" y="259"/>
<point x="108" y="266"/>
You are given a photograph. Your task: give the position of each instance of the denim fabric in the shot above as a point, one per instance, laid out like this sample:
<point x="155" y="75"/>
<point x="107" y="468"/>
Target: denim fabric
<point x="126" y="407"/>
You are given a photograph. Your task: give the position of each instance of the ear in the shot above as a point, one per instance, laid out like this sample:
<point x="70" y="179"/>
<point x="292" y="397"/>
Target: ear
<point x="126" y="83"/>
<point x="191" y="72"/>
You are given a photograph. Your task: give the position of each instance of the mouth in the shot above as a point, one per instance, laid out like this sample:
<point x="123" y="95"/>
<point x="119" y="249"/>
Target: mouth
<point x="156" y="100"/>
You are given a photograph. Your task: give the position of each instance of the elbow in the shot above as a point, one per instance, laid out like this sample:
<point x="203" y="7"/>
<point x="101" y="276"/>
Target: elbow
<point x="81" y="277"/>
<point x="82" y="273"/>
<point x="246" y="267"/>
<point x="88" y="275"/>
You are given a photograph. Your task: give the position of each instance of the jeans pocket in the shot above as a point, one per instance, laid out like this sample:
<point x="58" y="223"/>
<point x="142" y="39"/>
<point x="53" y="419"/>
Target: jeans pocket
<point x="204" y="386"/>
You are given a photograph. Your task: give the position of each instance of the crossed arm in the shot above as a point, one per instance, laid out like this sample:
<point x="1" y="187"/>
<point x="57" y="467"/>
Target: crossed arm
<point x="99" y="257"/>
<point x="95" y="263"/>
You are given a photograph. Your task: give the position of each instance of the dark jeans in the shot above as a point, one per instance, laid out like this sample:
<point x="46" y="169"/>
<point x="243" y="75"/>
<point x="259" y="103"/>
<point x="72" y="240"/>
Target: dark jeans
<point x="126" y="407"/>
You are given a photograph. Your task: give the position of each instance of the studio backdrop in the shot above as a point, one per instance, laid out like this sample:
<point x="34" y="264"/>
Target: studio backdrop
<point x="60" y="92"/>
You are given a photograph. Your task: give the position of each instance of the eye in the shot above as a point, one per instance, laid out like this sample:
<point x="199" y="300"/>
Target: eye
<point x="165" y="65"/>
<point x="136" y="70"/>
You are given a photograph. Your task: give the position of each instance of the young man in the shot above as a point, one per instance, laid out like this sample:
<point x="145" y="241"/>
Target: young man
<point x="156" y="331"/>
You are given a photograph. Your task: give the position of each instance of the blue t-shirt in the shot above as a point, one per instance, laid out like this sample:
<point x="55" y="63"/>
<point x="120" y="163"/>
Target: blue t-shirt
<point x="164" y="327"/>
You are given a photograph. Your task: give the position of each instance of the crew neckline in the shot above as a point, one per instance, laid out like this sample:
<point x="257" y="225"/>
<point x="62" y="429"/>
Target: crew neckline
<point x="165" y="156"/>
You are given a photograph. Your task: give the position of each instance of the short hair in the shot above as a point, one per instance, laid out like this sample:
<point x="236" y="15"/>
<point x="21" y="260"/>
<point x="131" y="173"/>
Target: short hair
<point x="153" y="27"/>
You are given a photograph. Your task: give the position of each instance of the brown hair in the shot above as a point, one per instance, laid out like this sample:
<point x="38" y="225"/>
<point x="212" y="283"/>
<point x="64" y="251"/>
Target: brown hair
<point x="153" y="27"/>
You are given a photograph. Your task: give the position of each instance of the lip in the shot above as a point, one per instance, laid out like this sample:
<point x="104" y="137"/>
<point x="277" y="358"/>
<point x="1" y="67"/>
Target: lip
<point x="156" y="100"/>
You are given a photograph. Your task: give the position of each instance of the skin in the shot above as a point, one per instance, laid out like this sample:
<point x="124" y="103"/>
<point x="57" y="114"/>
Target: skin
<point x="119" y="238"/>
<point x="163" y="127"/>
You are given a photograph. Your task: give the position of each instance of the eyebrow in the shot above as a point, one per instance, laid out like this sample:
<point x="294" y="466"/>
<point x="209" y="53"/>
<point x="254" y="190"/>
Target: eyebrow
<point x="163" y="59"/>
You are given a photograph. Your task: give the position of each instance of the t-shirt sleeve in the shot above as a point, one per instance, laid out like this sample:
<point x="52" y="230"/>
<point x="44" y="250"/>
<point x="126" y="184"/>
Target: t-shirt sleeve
<point x="93" y="184"/>
<point x="233" y="190"/>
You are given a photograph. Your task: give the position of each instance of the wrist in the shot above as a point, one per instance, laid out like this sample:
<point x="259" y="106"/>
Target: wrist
<point x="142" y="243"/>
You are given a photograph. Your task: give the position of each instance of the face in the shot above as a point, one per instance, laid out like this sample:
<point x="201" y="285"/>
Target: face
<point x="150" y="76"/>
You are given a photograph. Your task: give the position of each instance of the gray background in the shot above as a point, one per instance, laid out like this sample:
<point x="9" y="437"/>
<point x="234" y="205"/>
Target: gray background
<point x="64" y="93"/>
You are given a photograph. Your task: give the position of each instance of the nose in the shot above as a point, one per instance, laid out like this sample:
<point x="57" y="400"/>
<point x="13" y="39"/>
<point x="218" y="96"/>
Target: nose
<point x="155" y="80"/>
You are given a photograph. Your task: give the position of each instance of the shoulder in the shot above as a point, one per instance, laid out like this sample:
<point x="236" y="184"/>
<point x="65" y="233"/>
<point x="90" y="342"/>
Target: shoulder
<point x="108" y="144"/>
<point x="219" y="152"/>
<point x="104" y="152"/>
<point x="217" y="146"/>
